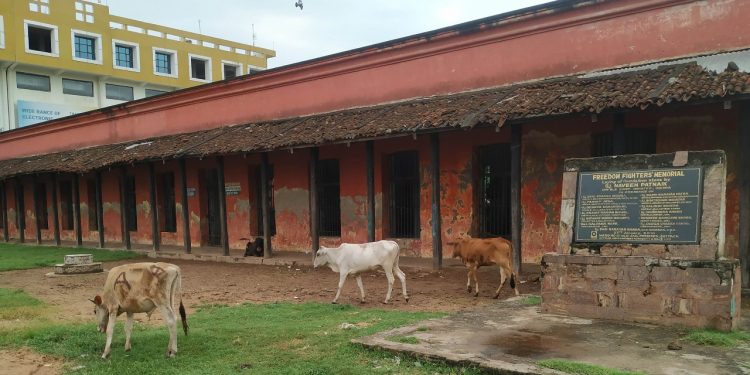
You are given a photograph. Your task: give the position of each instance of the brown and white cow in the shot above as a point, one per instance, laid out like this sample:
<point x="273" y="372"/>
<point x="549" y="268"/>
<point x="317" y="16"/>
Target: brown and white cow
<point x="477" y="252"/>
<point x="140" y="288"/>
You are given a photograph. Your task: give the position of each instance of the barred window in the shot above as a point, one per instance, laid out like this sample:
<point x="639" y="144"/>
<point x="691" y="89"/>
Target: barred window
<point x="124" y="56"/>
<point x="42" y="214"/>
<point x="77" y="87"/>
<point x="85" y="47"/>
<point x="329" y="198"/>
<point x="403" y="195"/>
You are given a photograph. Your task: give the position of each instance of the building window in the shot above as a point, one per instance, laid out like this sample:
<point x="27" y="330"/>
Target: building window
<point x="20" y="207"/>
<point x="41" y="38"/>
<point x="329" y="199"/>
<point x="165" y="63"/>
<point x="77" y="87"/>
<point x="85" y="47"/>
<point x="84" y="12"/>
<point x="271" y="205"/>
<point x="493" y="193"/>
<point x="153" y="92"/>
<point x="118" y="92"/>
<point x="637" y="141"/>
<point x="2" y="32"/>
<point x="30" y="81"/>
<point x="42" y="215"/>
<point x="403" y="195"/>
<point x="168" y="214"/>
<point x="200" y="68"/>
<point x="91" y="203"/>
<point x="124" y="56"/>
<point x="39" y="6"/>
<point x="66" y="205"/>
<point x="131" y="216"/>
<point x="230" y="70"/>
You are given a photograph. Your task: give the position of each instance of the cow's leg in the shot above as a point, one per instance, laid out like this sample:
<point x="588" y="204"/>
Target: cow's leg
<point x="110" y="332"/>
<point x="474" y="268"/>
<point x="128" y="330"/>
<point x="468" y="278"/>
<point x="361" y="288"/>
<point x="502" y="282"/>
<point x="168" y="313"/>
<point x="401" y="276"/>
<point x="342" y="280"/>
<point x="389" y="276"/>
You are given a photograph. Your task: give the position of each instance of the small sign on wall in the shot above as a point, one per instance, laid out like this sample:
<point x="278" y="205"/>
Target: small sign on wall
<point x="190" y="192"/>
<point x="232" y="188"/>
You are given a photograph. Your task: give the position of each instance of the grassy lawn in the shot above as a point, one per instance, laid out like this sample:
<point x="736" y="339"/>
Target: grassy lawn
<point x="18" y="305"/>
<point x="580" y="368"/>
<point x="717" y="338"/>
<point x="280" y="338"/>
<point x="21" y="257"/>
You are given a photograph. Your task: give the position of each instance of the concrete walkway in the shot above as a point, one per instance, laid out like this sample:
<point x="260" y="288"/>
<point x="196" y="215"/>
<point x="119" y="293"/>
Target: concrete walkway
<point x="511" y="336"/>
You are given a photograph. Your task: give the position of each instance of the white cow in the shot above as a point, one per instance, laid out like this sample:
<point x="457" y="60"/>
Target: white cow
<point x="140" y="288"/>
<point x="353" y="259"/>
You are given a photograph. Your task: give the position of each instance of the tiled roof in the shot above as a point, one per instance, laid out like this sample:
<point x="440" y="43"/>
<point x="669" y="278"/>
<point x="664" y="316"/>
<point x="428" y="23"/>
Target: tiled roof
<point x="593" y="94"/>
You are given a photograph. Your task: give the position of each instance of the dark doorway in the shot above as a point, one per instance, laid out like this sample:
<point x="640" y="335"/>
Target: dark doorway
<point x="329" y="197"/>
<point x="493" y="191"/>
<point x="403" y="195"/>
<point x="259" y="195"/>
<point x="210" y="201"/>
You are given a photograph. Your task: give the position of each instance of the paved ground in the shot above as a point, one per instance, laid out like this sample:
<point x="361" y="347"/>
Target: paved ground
<point x="511" y="336"/>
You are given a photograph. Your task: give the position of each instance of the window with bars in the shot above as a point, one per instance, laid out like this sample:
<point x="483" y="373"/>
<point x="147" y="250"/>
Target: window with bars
<point x="77" y="87"/>
<point x="168" y="216"/>
<point x="403" y="195"/>
<point x="20" y="207"/>
<point x="493" y="190"/>
<point x="271" y="208"/>
<point x="91" y="204"/>
<point x="230" y="70"/>
<point x="119" y="92"/>
<point x="85" y="47"/>
<point x="124" y="56"/>
<point x="130" y="204"/>
<point x="42" y="214"/>
<point x="329" y="199"/>
<point x="163" y="62"/>
<point x="66" y="205"/>
<point x="637" y="141"/>
<point x="30" y="81"/>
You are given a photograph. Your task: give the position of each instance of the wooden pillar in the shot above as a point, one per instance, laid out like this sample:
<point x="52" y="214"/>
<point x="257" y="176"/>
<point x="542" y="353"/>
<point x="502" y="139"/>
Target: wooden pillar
<point x="20" y="211"/>
<point x="155" y="233"/>
<point x="185" y="209"/>
<point x="744" y="179"/>
<point x="223" y="207"/>
<point x="35" y="207"/>
<point x="55" y="211"/>
<point x="99" y="209"/>
<point x="124" y="208"/>
<point x="4" y="208"/>
<point x="314" y="211"/>
<point x="618" y="135"/>
<point x="437" y="239"/>
<point x="370" y="157"/>
<point x="77" y="210"/>
<point x="267" y="251"/>
<point x="515" y="195"/>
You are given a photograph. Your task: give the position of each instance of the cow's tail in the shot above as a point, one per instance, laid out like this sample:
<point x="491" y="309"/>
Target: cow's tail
<point x="183" y="317"/>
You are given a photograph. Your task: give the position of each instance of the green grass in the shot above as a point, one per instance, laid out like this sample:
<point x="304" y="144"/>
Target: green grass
<point x="16" y="304"/>
<point x="404" y="339"/>
<point x="532" y="300"/>
<point x="716" y="338"/>
<point x="280" y="338"/>
<point x="579" y="368"/>
<point x="21" y="257"/>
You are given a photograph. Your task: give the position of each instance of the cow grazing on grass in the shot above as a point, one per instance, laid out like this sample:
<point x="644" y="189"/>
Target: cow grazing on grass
<point x="353" y="259"/>
<point x="254" y="248"/>
<point x="140" y="288"/>
<point x="477" y="252"/>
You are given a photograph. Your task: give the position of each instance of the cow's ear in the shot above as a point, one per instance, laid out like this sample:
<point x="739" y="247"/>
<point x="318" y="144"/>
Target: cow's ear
<point x="98" y="300"/>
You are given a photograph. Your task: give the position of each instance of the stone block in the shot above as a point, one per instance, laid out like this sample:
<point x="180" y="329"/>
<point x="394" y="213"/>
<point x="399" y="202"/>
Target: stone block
<point x="607" y="299"/>
<point x="581" y="297"/>
<point x="668" y="274"/>
<point x="601" y="272"/>
<point x="616" y="250"/>
<point x="73" y="269"/>
<point x="633" y="273"/>
<point x="695" y="291"/>
<point x="78" y="259"/>
<point x="552" y="258"/>
<point x="602" y="285"/>
<point x="666" y="289"/>
<point x="703" y="276"/>
<point x="682" y="251"/>
<point x="575" y="271"/>
<point x="650" y="250"/>
<point x="627" y="286"/>
<point x="569" y="185"/>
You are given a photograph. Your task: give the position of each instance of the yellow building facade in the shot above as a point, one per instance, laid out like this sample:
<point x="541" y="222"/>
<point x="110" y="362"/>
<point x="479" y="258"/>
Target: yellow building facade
<point x="61" y="57"/>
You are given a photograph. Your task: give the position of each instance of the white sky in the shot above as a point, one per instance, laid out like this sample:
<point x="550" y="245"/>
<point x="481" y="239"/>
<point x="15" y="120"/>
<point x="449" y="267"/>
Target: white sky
<point x="323" y="27"/>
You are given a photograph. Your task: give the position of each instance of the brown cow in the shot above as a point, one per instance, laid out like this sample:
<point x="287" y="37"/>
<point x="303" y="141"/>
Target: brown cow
<point x="477" y="252"/>
<point x="140" y="288"/>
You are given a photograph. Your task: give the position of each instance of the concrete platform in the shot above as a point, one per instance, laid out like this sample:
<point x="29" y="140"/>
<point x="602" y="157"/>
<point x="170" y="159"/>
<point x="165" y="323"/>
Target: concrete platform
<point x="511" y="337"/>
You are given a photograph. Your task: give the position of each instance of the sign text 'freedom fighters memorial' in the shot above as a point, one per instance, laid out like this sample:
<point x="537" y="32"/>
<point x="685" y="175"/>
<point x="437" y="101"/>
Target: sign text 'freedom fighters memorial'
<point x="639" y="206"/>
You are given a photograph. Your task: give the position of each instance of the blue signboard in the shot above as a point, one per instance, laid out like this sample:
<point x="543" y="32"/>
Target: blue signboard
<point x="29" y="113"/>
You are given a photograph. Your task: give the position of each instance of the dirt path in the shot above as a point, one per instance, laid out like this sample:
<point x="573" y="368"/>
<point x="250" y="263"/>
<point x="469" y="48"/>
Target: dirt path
<point x="223" y="283"/>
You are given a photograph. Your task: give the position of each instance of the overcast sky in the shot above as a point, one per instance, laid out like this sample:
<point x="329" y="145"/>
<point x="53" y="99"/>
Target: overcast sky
<point x="323" y="27"/>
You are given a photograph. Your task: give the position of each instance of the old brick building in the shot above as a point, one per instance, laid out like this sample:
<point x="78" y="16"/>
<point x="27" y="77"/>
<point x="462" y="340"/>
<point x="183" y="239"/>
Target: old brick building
<point x="348" y="145"/>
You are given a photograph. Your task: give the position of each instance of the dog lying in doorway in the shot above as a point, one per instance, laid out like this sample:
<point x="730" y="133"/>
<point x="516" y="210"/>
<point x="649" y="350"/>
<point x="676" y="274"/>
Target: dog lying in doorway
<point x="254" y="248"/>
